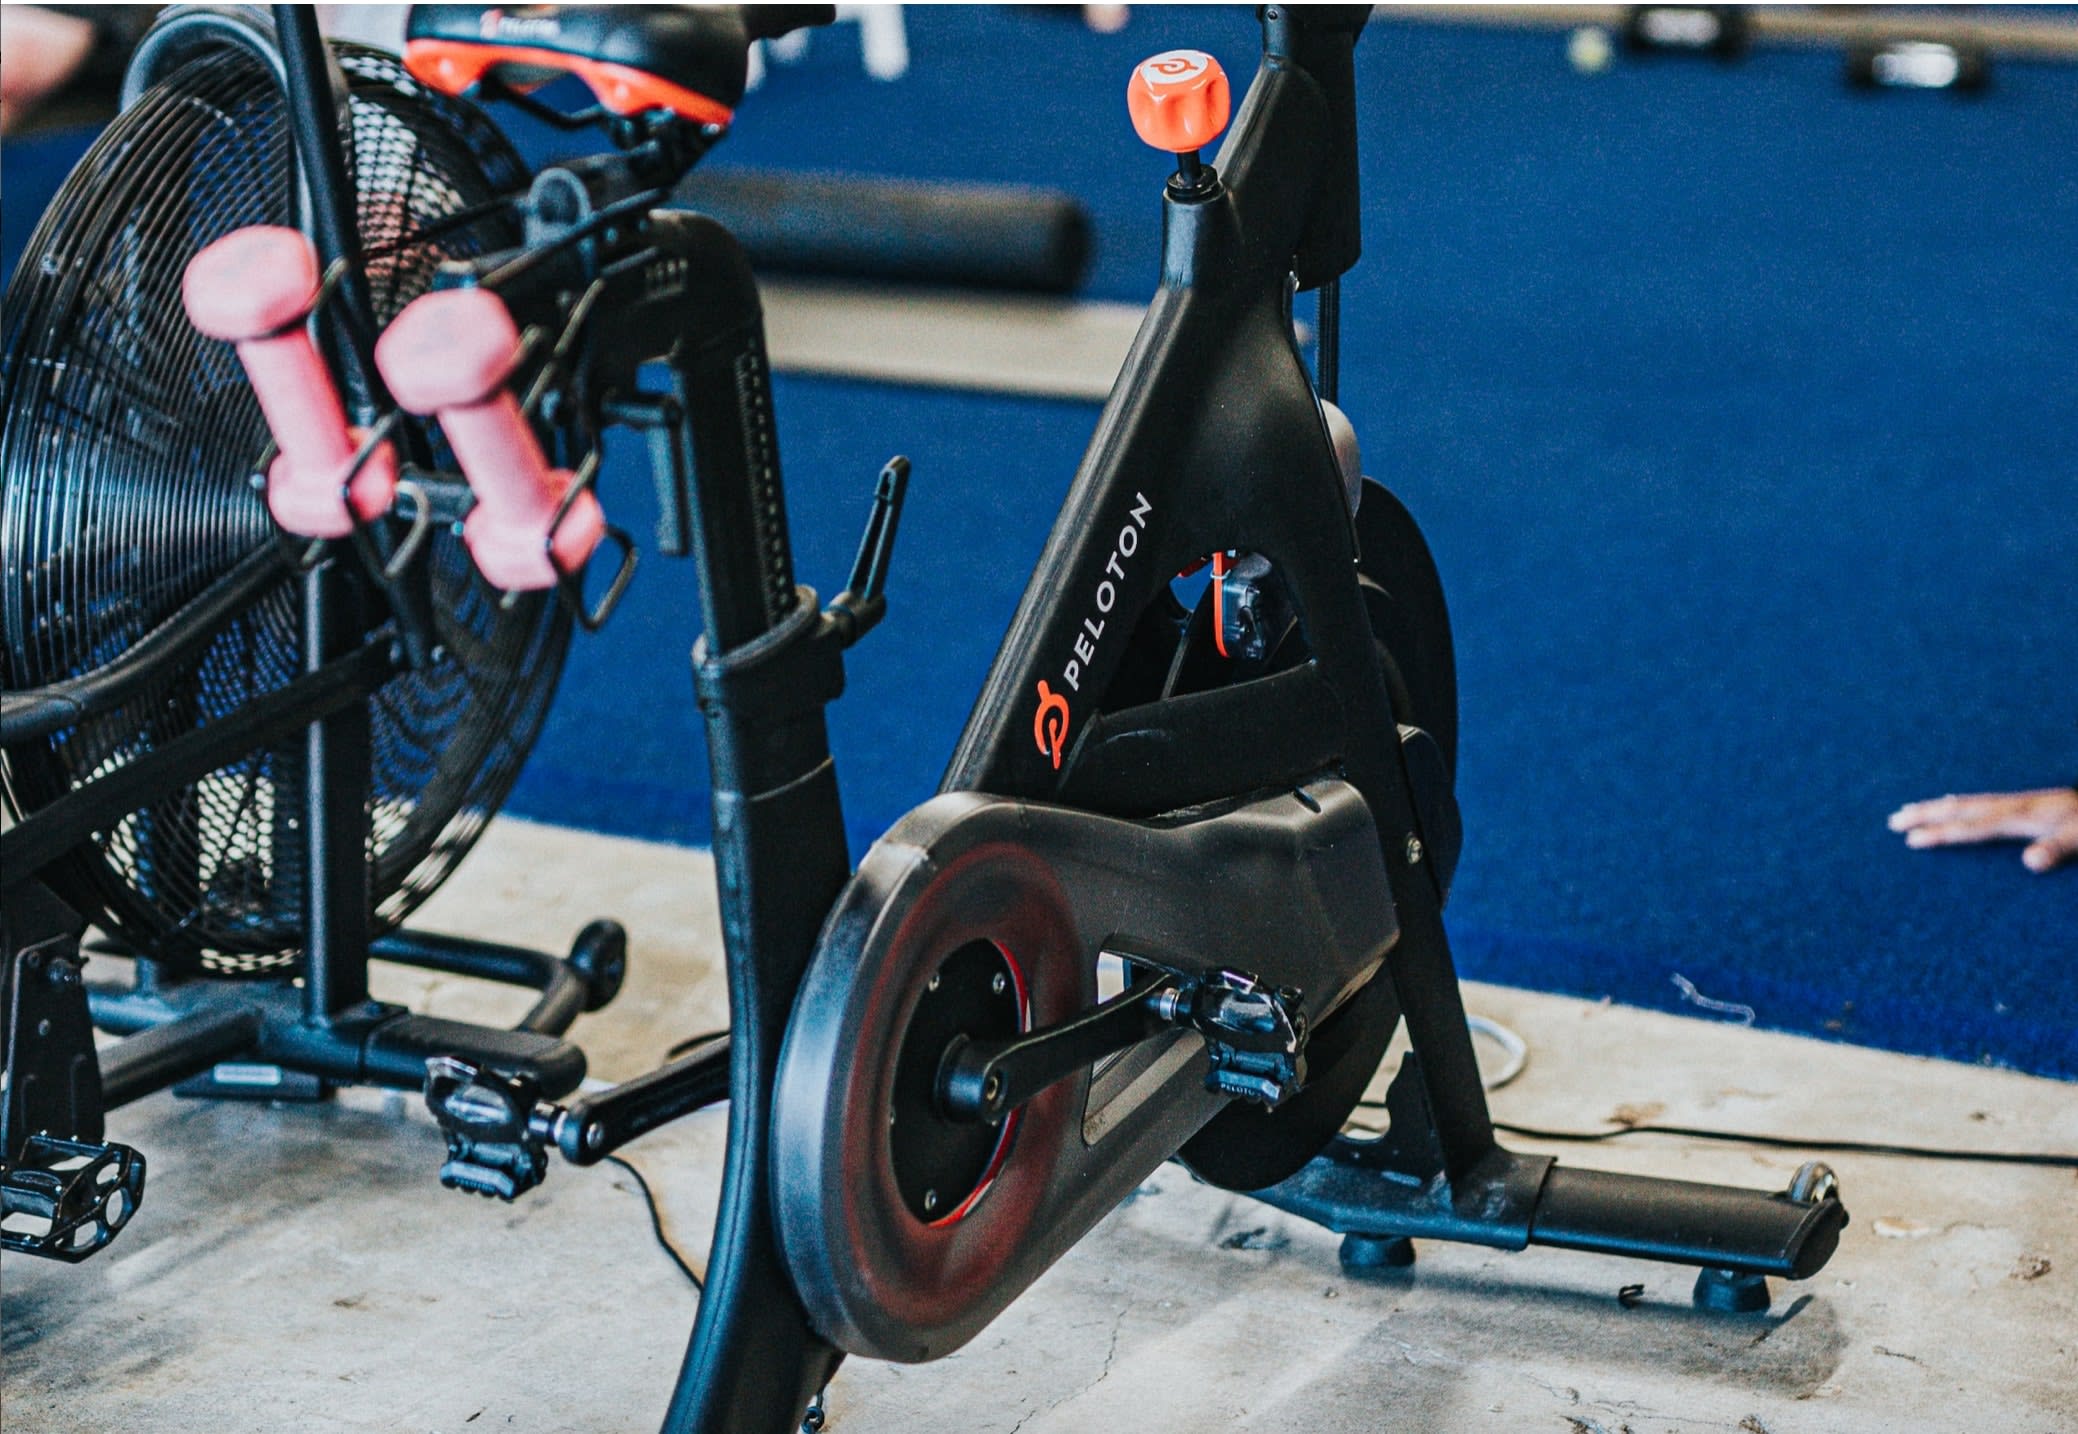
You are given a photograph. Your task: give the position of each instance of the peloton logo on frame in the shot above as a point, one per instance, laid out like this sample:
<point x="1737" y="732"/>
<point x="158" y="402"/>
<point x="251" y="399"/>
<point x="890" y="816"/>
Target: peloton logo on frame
<point x="1050" y="722"/>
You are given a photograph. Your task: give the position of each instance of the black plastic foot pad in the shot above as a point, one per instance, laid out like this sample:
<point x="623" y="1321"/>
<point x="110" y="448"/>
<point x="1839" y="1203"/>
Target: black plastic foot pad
<point x="1731" y="1292"/>
<point x="1368" y="1254"/>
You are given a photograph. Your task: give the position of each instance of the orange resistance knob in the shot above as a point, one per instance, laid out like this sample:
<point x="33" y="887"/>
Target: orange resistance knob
<point x="1179" y="100"/>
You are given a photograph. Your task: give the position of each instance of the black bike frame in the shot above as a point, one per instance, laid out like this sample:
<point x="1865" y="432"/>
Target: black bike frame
<point x="1212" y="440"/>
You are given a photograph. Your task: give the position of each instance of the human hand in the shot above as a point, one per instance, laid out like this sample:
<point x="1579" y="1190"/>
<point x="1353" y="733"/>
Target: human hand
<point x="2046" y="820"/>
<point x="43" y="49"/>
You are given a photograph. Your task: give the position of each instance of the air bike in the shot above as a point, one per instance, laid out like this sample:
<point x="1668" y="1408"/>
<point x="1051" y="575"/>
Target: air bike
<point x="241" y="753"/>
<point x="1184" y="876"/>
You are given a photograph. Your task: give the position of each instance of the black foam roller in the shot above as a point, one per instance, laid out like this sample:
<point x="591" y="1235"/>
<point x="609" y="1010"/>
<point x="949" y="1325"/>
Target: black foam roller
<point x="858" y="226"/>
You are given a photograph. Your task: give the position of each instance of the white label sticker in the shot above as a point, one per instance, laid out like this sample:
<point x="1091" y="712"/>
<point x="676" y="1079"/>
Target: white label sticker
<point x="239" y="1073"/>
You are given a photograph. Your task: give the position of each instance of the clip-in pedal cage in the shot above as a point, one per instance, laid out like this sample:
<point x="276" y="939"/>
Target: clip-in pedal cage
<point x="84" y="1192"/>
<point x="496" y="1145"/>
<point x="1255" y="1035"/>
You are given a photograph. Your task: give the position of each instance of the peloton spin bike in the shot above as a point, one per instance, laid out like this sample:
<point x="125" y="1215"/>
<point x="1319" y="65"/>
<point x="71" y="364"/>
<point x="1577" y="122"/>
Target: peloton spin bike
<point x="1242" y="803"/>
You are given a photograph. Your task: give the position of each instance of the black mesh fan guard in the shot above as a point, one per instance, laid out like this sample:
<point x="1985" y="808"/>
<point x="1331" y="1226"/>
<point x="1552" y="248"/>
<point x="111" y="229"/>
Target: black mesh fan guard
<point x="126" y="455"/>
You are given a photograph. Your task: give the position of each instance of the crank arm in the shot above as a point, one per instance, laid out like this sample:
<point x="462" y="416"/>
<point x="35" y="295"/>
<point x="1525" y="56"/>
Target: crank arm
<point x="499" y="1129"/>
<point x="1255" y="1037"/>
<point x="986" y="1080"/>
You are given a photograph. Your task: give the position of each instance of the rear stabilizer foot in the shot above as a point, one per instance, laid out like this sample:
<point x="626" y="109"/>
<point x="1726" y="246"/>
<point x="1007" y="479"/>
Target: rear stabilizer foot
<point x="1731" y="1291"/>
<point x="1369" y="1254"/>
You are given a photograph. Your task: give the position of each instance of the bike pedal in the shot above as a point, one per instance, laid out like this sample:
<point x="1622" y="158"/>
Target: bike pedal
<point x="1254" y="1034"/>
<point x="67" y="1199"/>
<point x="496" y="1145"/>
<point x="485" y="1180"/>
<point x="1270" y="1086"/>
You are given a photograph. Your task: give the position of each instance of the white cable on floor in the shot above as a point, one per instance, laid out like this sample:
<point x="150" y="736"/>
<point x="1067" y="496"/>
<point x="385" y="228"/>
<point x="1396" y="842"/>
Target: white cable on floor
<point x="1517" y="1048"/>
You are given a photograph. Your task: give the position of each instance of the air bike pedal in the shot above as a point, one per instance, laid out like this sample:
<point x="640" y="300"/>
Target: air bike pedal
<point x="64" y="1192"/>
<point x="66" y="1199"/>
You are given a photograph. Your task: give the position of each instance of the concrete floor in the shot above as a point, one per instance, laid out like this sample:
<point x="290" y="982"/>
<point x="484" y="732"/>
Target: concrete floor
<point x="300" y="1269"/>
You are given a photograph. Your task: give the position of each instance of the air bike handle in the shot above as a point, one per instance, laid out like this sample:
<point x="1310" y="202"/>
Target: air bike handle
<point x="255" y="288"/>
<point x="449" y="356"/>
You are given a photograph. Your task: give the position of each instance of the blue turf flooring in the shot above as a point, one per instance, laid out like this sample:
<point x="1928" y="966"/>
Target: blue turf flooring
<point x="1741" y="411"/>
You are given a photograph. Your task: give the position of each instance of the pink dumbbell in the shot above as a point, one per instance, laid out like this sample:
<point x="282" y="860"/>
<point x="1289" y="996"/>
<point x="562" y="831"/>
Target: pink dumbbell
<point x="449" y="355"/>
<point x="254" y="288"/>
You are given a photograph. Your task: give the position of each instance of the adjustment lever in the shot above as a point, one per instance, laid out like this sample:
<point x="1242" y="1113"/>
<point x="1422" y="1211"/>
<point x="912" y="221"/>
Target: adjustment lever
<point x="1256" y="1038"/>
<point x="863" y="603"/>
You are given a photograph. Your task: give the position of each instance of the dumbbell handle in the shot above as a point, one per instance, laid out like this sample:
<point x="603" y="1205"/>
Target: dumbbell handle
<point x="303" y="409"/>
<point x="449" y="355"/>
<point x="254" y="289"/>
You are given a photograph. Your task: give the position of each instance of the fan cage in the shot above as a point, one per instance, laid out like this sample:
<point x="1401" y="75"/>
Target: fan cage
<point x="127" y="457"/>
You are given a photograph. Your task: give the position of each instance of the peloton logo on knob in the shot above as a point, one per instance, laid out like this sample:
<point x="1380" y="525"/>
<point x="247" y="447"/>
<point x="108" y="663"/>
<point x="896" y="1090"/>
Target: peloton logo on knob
<point x="1050" y="722"/>
<point x="1173" y="67"/>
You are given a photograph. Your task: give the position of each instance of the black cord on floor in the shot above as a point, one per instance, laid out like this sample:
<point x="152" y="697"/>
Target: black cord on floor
<point x="691" y="1041"/>
<point x="656" y="1223"/>
<point x="1861" y="1147"/>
